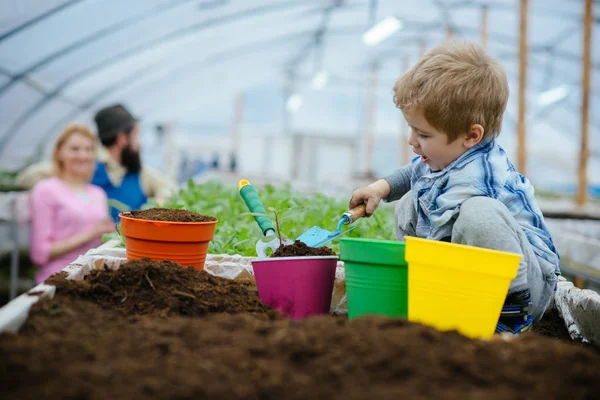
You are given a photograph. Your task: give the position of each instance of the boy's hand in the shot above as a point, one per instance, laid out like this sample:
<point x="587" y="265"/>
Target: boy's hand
<point x="370" y="195"/>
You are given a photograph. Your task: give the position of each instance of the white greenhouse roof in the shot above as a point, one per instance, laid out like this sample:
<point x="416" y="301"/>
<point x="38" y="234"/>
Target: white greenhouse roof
<point x="184" y="62"/>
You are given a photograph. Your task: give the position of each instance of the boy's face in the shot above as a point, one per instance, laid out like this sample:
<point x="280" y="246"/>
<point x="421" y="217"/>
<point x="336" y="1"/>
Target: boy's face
<point x="431" y="144"/>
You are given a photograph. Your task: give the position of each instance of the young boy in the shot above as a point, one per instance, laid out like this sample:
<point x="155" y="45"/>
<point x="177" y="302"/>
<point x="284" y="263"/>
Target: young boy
<point x="462" y="187"/>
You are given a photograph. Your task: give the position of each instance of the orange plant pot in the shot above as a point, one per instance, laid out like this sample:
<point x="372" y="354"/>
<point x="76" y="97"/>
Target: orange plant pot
<point x="185" y="243"/>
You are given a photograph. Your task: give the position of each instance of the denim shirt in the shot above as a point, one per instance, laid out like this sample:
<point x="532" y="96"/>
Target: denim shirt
<point x="483" y="170"/>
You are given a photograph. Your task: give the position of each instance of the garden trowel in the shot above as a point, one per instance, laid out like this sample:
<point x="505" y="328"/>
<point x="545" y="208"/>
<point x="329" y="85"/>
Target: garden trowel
<point x="317" y="236"/>
<point x="250" y="196"/>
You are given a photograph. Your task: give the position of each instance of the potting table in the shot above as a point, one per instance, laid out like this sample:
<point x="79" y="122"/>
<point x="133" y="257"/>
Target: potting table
<point x="579" y="308"/>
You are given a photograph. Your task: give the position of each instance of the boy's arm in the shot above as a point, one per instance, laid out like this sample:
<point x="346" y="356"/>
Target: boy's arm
<point x="387" y="189"/>
<point x="399" y="182"/>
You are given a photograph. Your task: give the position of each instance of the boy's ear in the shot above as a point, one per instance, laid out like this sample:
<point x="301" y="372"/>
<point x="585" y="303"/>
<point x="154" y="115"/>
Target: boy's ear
<point x="474" y="136"/>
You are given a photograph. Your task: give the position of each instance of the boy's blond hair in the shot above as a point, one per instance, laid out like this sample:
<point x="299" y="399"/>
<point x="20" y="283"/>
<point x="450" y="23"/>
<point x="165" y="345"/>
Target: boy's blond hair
<point x="456" y="85"/>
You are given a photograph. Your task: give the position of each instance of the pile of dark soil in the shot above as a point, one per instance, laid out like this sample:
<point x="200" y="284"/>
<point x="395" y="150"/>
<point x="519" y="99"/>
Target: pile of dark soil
<point x="156" y="330"/>
<point x="162" y="288"/>
<point x="300" y="249"/>
<point x="74" y="349"/>
<point x="552" y="325"/>
<point x="172" y="215"/>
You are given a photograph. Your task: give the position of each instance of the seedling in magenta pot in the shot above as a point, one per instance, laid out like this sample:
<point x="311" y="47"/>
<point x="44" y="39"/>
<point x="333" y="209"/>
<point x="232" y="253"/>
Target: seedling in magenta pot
<point x="296" y="279"/>
<point x="315" y="237"/>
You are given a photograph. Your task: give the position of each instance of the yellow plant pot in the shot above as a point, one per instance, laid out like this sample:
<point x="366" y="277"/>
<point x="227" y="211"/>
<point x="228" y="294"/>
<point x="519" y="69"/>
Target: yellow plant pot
<point x="452" y="286"/>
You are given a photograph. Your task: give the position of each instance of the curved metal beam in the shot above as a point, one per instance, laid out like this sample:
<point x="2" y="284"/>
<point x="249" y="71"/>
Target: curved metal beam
<point x="39" y="18"/>
<point x="116" y="27"/>
<point x="317" y="35"/>
<point x="225" y="56"/>
<point x="148" y="45"/>
<point x="247" y="48"/>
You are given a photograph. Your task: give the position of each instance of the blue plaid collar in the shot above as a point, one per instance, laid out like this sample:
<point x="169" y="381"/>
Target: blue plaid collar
<point x="483" y="147"/>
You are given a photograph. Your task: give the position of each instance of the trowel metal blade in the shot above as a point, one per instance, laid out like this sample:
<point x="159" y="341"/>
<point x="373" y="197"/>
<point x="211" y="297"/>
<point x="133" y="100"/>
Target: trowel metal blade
<point x="317" y="236"/>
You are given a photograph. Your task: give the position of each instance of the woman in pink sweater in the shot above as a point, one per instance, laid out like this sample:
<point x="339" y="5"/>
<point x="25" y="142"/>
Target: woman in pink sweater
<point x="69" y="215"/>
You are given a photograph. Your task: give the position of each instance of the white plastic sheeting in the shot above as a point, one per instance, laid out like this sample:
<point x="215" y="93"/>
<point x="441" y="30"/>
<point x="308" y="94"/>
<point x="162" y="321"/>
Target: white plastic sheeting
<point x="580" y="309"/>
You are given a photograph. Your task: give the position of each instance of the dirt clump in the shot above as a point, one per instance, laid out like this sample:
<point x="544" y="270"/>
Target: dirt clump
<point x="170" y="215"/>
<point x="300" y="249"/>
<point x="162" y="288"/>
<point x="70" y="348"/>
<point x="552" y="325"/>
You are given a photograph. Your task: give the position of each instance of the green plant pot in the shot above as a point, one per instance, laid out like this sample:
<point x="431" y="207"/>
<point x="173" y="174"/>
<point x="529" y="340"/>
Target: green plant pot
<point x="376" y="277"/>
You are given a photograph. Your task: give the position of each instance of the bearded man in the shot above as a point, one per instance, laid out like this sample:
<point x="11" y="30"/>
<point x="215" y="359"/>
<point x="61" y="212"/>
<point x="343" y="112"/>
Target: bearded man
<point x="119" y="169"/>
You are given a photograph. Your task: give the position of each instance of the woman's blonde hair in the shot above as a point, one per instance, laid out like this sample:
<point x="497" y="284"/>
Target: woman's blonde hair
<point x="62" y="139"/>
<point x="456" y="85"/>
